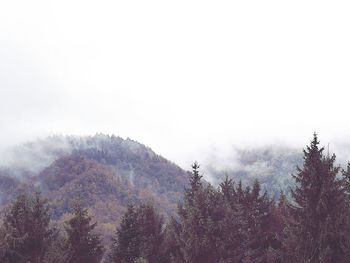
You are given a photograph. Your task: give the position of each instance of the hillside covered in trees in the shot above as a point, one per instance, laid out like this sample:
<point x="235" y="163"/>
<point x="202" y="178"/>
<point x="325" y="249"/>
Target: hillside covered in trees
<point x="271" y="165"/>
<point x="105" y="172"/>
<point x="224" y="223"/>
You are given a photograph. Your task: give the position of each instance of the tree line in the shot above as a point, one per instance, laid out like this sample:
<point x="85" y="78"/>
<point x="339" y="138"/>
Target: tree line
<point x="225" y="224"/>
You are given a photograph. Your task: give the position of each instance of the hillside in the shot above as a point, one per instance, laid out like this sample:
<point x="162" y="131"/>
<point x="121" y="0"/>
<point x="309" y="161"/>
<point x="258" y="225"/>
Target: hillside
<point x="106" y="172"/>
<point x="58" y="163"/>
<point x="271" y="165"/>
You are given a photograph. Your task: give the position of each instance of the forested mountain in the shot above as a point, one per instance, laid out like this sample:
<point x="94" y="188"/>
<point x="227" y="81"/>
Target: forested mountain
<point x="106" y="172"/>
<point x="127" y="170"/>
<point x="103" y="167"/>
<point x="224" y="223"/>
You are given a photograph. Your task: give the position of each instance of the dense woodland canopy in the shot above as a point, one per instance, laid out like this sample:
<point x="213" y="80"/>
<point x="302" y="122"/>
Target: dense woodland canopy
<point x="233" y="222"/>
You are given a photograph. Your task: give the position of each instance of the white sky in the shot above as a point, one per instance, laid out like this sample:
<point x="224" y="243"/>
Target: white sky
<point x="178" y="76"/>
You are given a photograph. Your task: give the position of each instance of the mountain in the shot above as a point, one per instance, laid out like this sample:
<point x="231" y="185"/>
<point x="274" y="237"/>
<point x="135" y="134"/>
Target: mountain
<point x="106" y="172"/>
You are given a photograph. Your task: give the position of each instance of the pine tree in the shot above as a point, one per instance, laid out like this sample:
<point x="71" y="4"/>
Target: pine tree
<point x="58" y="251"/>
<point x="195" y="183"/>
<point x="84" y="245"/>
<point x="280" y="217"/>
<point x="28" y="220"/>
<point x="150" y="226"/>
<point x="17" y="225"/>
<point x="232" y="225"/>
<point x="259" y="214"/>
<point x="196" y="224"/>
<point x="139" y="236"/>
<point x="126" y="244"/>
<point x="198" y="227"/>
<point x="171" y="247"/>
<point x="228" y="191"/>
<point x="40" y="234"/>
<point x="346" y="186"/>
<point x="315" y="231"/>
<point x="9" y="246"/>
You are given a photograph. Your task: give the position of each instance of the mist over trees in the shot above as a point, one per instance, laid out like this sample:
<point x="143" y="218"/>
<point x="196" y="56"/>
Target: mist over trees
<point x="231" y="222"/>
<point x="107" y="172"/>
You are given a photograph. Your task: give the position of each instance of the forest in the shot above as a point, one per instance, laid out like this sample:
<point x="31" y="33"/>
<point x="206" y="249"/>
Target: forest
<point x="225" y="223"/>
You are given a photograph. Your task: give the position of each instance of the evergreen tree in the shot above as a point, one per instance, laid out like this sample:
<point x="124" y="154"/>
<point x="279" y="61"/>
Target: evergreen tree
<point x="150" y="226"/>
<point x="126" y="244"/>
<point x="346" y="186"/>
<point x="228" y="191"/>
<point x="28" y="220"/>
<point x="40" y="234"/>
<point x="171" y="247"/>
<point x="17" y="225"/>
<point x="315" y="231"/>
<point x="197" y="226"/>
<point x="232" y="227"/>
<point x="211" y="226"/>
<point x="259" y="213"/>
<point x="280" y="216"/>
<point x="84" y="245"/>
<point x="58" y="251"/>
<point x="194" y="240"/>
<point x="139" y="236"/>
<point x="9" y="246"/>
<point x="195" y="183"/>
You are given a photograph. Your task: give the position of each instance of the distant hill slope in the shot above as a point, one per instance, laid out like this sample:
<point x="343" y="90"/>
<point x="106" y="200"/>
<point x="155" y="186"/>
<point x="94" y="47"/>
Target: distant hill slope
<point x="273" y="166"/>
<point x="106" y="172"/>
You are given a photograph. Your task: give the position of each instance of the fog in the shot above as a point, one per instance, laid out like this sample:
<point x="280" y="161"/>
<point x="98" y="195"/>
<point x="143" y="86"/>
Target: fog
<point x="190" y="79"/>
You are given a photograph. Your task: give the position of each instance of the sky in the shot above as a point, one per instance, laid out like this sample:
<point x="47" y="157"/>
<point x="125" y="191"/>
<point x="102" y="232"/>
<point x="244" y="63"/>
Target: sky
<point x="179" y="76"/>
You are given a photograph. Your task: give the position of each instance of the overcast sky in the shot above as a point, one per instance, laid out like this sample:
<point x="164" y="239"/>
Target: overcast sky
<point x="178" y="76"/>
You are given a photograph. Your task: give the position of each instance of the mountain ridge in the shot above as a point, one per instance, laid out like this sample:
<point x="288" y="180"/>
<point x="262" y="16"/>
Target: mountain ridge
<point x="107" y="172"/>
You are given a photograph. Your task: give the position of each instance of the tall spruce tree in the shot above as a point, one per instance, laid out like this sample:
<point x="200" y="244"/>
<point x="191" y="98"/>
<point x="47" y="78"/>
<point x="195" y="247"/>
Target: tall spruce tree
<point x="228" y="224"/>
<point x="28" y="221"/>
<point x="150" y="225"/>
<point x="316" y="227"/>
<point x="58" y="251"/>
<point x="232" y="227"/>
<point x="41" y="235"/>
<point x="193" y="213"/>
<point x="139" y="236"/>
<point x="84" y="245"/>
<point x="195" y="183"/>
<point x="346" y="186"/>
<point x="259" y="213"/>
<point x="280" y="216"/>
<point x="171" y="247"/>
<point x="9" y="246"/>
<point x="17" y="226"/>
<point x="126" y="244"/>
